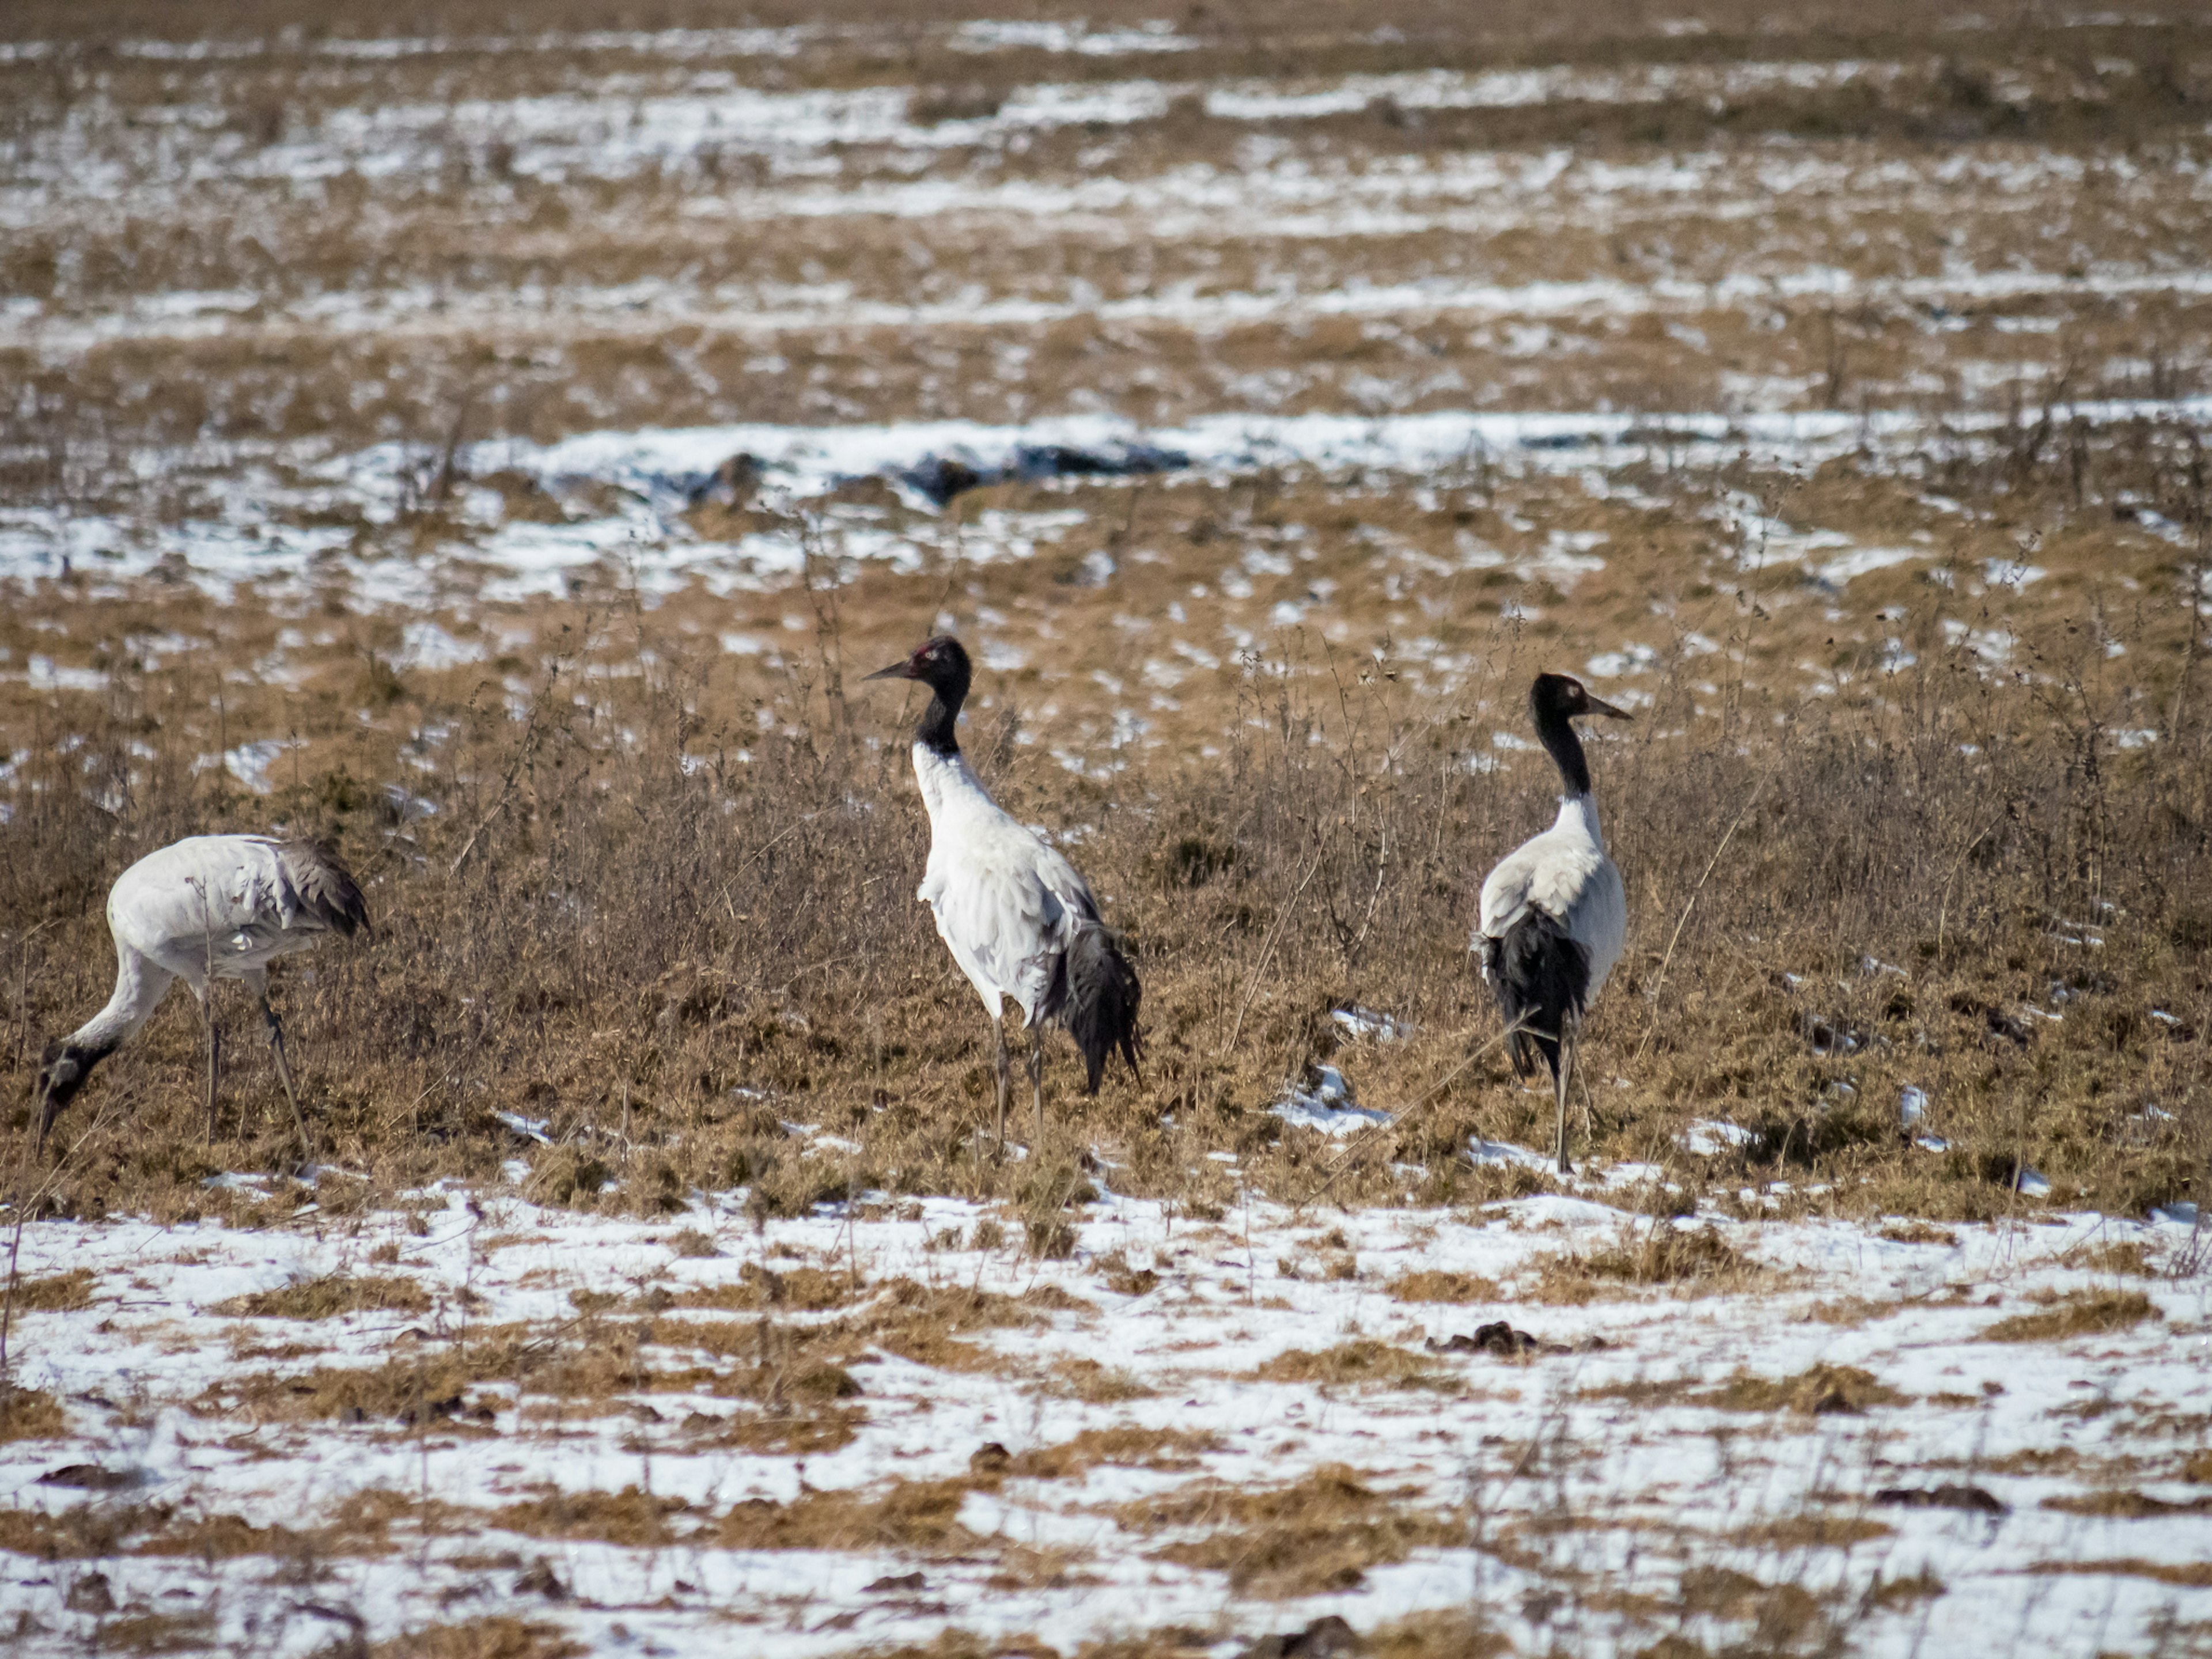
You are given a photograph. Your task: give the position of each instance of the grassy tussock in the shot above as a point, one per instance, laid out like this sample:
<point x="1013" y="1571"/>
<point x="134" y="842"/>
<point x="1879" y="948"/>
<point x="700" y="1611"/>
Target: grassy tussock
<point x="494" y="1638"/>
<point x="1169" y="1450"/>
<point x="908" y="1515"/>
<point x="1800" y="1532"/>
<point x="1362" y="1363"/>
<point x="1823" y="1390"/>
<point x="2118" y="1503"/>
<point x="60" y="1293"/>
<point x="2186" y="1574"/>
<point x="1688" y="1260"/>
<point x="1432" y="1285"/>
<point x="2094" y="1313"/>
<point x="328" y="1297"/>
<point x="30" y="1414"/>
<point x="1318" y="1534"/>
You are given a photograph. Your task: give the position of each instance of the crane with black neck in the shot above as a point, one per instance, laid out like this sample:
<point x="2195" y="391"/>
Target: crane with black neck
<point x="1554" y="914"/>
<point x="1020" y="923"/>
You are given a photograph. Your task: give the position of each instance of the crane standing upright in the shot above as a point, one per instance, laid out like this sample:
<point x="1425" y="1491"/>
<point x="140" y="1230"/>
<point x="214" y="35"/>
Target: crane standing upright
<point x="200" y="909"/>
<point x="1554" y="914"/>
<point x="1018" y="919"/>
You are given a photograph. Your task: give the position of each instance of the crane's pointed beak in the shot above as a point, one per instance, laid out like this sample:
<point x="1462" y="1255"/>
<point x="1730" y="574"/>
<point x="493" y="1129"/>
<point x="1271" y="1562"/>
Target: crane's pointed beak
<point x="897" y="671"/>
<point x="1599" y="707"/>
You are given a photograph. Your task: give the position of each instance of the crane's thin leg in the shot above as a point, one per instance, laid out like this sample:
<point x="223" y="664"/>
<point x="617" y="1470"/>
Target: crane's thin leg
<point x="214" y="1051"/>
<point x="1581" y="1078"/>
<point x="1005" y="1078"/>
<point x="284" y="1072"/>
<point x="1037" y="1078"/>
<point x="1565" y="1071"/>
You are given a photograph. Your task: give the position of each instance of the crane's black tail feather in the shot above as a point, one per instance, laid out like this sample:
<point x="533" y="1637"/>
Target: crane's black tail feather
<point x="1098" y="1005"/>
<point x="1539" y="975"/>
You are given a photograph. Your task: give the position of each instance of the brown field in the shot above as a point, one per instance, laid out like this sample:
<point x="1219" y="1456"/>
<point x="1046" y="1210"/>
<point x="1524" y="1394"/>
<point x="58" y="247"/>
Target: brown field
<point x="494" y="439"/>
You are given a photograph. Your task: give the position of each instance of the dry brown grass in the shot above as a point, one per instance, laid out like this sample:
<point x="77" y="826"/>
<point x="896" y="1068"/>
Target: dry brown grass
<point x="1811" y="1531"/>
<point x="495" y="1637"/>
<point x="907" y="1515"/>
<point x="65" y="1292"/>
<point x="1689" y="1260"/>
<point x="328" y="1297"/>
<point x="1919" y="1232"/>
<point x="2187" y="1575"/>
<point x="30" y="1414"/>
<point x="1823" y="1390"/>
<point x="1432" y="1285"/>
<point x="360" y="1526"/>
<point x="2116" y="1504"/>
<point x="1317" y="1535"/>
<point x="1363" y="1362"/>
<point x="1172" y="1450"/>
<point x="2091" y="1313"/>
<point x="629" y="1517"/>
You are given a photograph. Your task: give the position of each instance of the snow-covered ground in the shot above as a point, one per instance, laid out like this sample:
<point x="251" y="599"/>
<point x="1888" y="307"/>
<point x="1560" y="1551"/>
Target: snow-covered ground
<point x="1262" y="1351"/>
<point x="266" y="512"/>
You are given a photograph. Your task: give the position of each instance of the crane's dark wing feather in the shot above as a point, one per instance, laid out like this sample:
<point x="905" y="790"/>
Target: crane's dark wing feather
<point x="1095" y="994"/>
<point x="1539" y="975"/>
<point x="324" y="888"/>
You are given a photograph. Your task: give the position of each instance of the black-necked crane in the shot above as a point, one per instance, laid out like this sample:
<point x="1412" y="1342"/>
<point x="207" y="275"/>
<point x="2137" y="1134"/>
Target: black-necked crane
<point x="200" y="909"/>
<point x="1018" y="919"/>
<point x="1554" y="914"/>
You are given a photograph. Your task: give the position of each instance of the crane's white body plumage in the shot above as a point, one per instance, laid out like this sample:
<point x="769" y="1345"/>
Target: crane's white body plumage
<point x="208" y="908"/>
<point x="1565" y="873"/>
<point x="1006" y="905"/>
<point x="201" y="910"/>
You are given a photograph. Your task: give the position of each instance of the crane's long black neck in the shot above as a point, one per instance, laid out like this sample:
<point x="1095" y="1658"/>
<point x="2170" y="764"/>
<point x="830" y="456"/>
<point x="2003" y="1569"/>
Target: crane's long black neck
<point x="1557" y="732"/>
<point x="935" y="732"/>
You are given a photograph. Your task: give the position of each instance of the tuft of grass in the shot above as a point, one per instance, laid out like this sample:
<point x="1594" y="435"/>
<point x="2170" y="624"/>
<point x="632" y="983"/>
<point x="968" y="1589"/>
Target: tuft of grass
<point x="157" y="1633"/>
<point x="907" y="1515"/>
<point x="1095" y="1384"/>
<point x="800" y="1290"/>
<point x="30" y="1414"/>
<point x="328" y="1297"/>
<point x="492" y="1637"/>
<point x="1363" y="1362"/>
<point x="1126" y="1446"/>
<point x="2094" y="1313"/>
<point x="1699" y="1260"/>
<point x="62" y="1293"/>
<point x="2120" y="1505"/>
<point x="2127" y="1259"/>
<point x="1797" y="1532"/>
<point x="1433" y="1284"/>
<point x="630" y="1517"/>
<point x="2192" y="1574"/>
<point x="1315" y="1536"/>
<point x="1822" y="1391"/>
<point x="1919" y="1232"/>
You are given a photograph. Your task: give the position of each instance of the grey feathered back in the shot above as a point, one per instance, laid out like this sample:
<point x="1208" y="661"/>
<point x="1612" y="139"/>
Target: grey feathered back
<point x="325" y="887"/>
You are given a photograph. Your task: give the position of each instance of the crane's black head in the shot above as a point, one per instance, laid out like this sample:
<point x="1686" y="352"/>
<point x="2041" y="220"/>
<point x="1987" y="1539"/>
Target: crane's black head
<point x="63" y="1069"/>
<point x="942" y="665"/>
<point x="1554" y="701"/>
<point x="1562" y="696"/>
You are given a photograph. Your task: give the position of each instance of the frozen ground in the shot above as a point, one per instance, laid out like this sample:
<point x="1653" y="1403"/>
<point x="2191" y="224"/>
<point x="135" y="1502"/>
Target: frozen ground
<point x="1576" y="1497"/>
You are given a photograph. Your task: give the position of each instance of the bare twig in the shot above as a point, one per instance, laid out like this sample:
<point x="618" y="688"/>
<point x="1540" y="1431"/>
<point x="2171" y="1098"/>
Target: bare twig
<point x="1652" y="1024"/>
<point x="1266" y="949"/>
